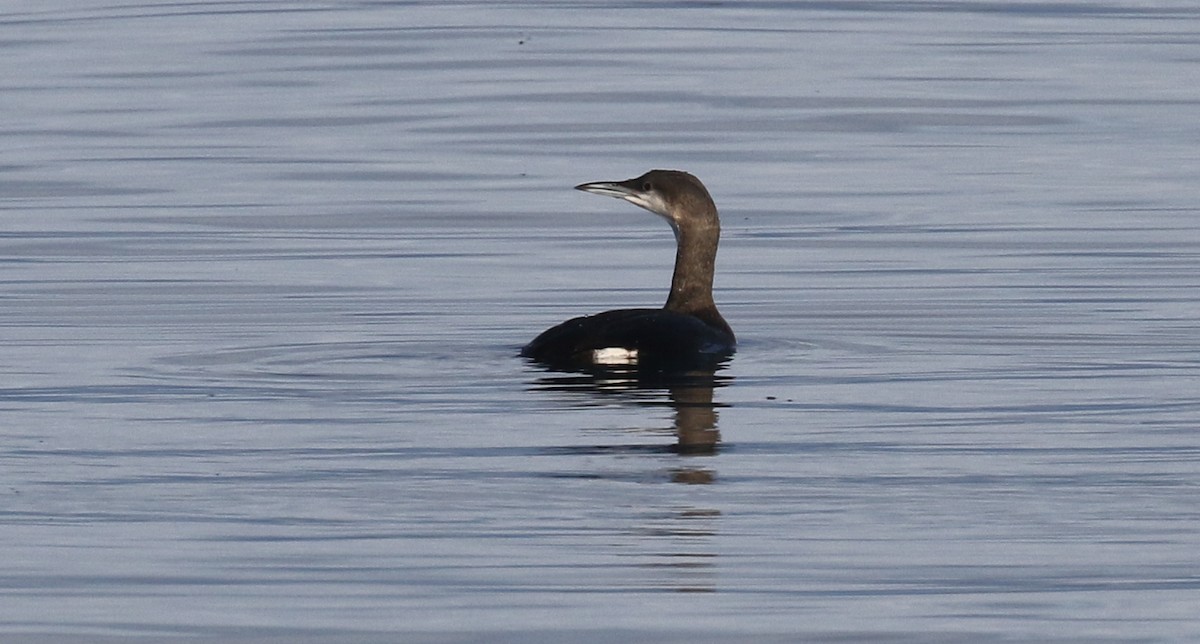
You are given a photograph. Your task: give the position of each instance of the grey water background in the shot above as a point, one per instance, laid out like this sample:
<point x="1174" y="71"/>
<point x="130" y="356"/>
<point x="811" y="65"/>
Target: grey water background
<point x="265" y="266"/>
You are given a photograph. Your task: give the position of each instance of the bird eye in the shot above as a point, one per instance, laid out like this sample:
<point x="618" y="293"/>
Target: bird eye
<point x="647" y="186"/>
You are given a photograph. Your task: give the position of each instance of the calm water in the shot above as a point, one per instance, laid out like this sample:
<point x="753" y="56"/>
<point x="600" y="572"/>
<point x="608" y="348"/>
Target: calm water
<point x="265" y="266"/>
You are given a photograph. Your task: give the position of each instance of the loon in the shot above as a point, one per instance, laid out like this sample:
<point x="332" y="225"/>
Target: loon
<point x="688" y="329"/>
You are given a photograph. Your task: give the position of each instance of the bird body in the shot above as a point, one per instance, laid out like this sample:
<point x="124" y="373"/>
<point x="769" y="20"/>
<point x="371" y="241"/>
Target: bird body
<point x="649" y="336"/>
<point x="688" y="328"/>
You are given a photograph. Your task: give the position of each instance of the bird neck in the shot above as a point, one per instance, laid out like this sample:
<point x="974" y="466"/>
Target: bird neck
<point x="692" y="283"/>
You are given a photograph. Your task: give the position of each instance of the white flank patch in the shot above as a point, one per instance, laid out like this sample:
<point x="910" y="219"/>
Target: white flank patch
<point x="614" y="355"/>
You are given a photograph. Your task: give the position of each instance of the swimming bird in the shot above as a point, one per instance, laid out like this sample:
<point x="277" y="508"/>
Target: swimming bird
<point x="688" y="329"/>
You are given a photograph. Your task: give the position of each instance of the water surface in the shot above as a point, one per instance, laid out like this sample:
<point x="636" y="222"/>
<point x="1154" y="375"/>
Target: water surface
<point x="265" y="268"/>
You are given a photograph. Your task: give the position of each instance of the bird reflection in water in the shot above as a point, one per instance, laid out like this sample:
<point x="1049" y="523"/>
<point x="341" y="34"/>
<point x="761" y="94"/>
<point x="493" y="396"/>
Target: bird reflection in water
<point x="688" y="392"/>
<point x="679" y="553"/>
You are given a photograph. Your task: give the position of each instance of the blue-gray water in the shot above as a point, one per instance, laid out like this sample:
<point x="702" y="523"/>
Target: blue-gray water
<point x="265" y="266"/>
